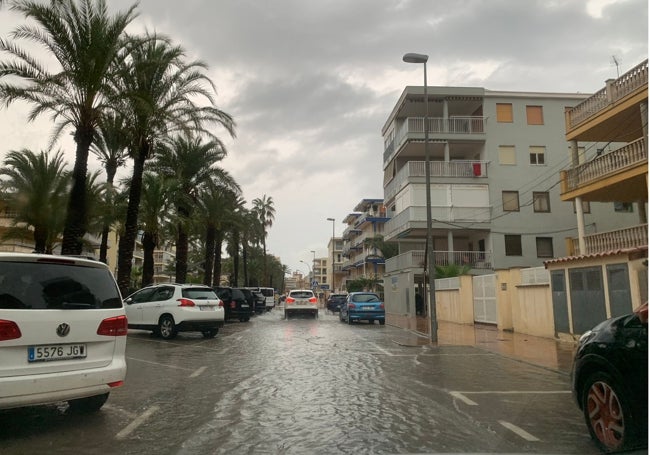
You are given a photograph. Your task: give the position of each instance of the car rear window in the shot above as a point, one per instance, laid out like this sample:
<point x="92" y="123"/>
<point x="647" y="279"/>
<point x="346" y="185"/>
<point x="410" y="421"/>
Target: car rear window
<point x="199" y="293"/>
<point x="301" y="294"/>
<point x="238" y="295"/>
<point x="365" y="298"/>
<point x="268" y="292"/>
<point x="42" y="286"/>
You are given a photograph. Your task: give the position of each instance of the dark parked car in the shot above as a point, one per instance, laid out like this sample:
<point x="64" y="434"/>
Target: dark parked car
<point x="234" y="302"/>
<point x="335" y="301"/>
<point x="250" y="298"/>
<point x="260" y="302"/>
<point x="610" y="381"/>
<point x="363" y="306"/>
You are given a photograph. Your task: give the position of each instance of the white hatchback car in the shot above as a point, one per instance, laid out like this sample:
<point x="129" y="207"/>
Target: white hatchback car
<point x="167" y="309"/>
<point x="62" y="331"/>
<point x="301" y="301"/>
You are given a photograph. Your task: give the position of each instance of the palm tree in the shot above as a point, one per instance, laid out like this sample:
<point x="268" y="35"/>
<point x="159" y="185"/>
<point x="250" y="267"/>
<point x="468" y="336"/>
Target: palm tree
<point x="162" y="94"/>
<point x="191" y="164"/>
<point x="85" y="41"/>
<point x="110" y="146"/>
<point x="265" y="210"/>
<point x="33" y="189"/>
<point x="153" y="207"/>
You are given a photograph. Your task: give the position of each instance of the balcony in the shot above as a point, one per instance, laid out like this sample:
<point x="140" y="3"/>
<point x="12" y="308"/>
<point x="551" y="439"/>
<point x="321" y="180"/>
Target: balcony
<point x="632" y="237"/>
<point x="612" y="113"/>
<point x="413" y="128"/>
<point x="453" y="169"/>
<point x="615" y="176"/>
<point x="415" y="259"/>
<point x="416" y="218"/>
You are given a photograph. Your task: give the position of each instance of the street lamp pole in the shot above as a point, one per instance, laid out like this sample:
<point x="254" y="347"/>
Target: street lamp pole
<point x="430" y="270"/>
<point x="311" y="274"/>
<point x="332" y="283"/>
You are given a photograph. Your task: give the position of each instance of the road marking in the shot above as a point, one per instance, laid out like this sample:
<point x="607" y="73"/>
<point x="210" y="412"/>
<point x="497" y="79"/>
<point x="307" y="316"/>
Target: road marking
<point x="379" y="348"/>
<point x="519" y="431"/>
<point x="136" y="423"/>
<point x="160" y="364"/>
<point x="198" y="372"/>
<point x="463" y="398"/>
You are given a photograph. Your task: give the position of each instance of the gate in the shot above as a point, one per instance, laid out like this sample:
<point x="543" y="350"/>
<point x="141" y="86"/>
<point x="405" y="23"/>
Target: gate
<point x="485" y="298"/>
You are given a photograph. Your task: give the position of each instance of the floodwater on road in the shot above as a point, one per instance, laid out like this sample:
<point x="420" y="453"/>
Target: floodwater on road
<point x="311" y="386"/>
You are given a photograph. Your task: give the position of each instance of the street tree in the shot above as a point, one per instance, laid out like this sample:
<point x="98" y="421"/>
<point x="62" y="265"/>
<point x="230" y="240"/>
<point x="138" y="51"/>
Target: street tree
<point x="85" y="41"/>
<point x="264" y="208"/>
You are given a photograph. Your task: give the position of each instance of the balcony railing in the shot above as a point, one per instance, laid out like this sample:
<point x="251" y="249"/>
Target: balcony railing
<point x="614" y="91"/>
<point x="454" y="169"/>
<point x="415" y="259"/>
<point x="629" y="155"/>
<point x="411" y="215"/>
<point x="632" y="237"/>
<point x="437" y="125"/>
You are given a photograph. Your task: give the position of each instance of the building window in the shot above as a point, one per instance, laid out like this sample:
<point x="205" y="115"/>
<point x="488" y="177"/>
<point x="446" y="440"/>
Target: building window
<point x="541" y="201"/>
<point x="586" y="207"/>
<point x="510" y="201"/>
<point x="504" y="112"/>
<point x="623" y="207"/>
<point x="534" y="115"/>
<point x="513" y="245"/>
<point x="537" y="154"/>
<point x="507" y="155"/>
<point x="544" y="247"/>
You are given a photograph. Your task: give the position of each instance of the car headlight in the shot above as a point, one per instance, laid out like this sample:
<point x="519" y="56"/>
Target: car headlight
<point x="585" y="336"/>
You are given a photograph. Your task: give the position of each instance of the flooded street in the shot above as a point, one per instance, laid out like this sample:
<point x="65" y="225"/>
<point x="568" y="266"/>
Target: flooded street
<point x="308" y="386"/>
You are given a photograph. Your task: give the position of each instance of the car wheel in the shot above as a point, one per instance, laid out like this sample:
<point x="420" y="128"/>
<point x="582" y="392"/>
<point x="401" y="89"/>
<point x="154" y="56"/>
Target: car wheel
<point x="607" y="413"/>
<point x="211" y="333"/>
<point x="88" y="404"/>
<point x="166" y="327"/>
<point x="349" y="321"/>
<point x="286" y="315"/>
<point x="382" y="322"/>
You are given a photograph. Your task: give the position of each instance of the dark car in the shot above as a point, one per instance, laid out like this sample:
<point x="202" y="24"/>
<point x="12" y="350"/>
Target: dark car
<point x="610" y="381"/>
<point x="250" y="298"/>
<point x="234" y="302"/>
<point x="260" y="302"/>
<point x="335" y="301"/>
<point x="363" y="306"/>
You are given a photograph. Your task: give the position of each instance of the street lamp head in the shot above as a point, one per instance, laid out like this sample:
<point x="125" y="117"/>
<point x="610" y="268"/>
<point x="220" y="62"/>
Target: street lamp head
<point x="330" y="219"/>
<point x="415" y="58"/>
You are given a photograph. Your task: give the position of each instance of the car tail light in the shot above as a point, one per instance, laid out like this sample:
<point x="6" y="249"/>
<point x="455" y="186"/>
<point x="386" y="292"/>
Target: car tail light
<point x="352" y="305"/>
<point x="113" y="327"/>
<point x="116" y="384"/>
<point x="221" y="303"/>
<point x="290" y="300"/>
<point x="233" y="304"/>
<point x="313" y="300"/>
<point x="381" y="305"/>
<point x="185" y="302"/>
<point x="9" y="330"/>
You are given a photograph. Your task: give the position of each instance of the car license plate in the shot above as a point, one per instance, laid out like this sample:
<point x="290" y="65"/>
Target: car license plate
<point x="56" y="352"/>
<point x="368" y="307"/>
<point x="206" y="308"/>
<point x="244" y="306"/>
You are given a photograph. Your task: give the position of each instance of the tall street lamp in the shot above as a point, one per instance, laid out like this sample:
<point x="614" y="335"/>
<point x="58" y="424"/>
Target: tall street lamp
<point x="332" y="283"/>
<point x="430" y="269"/>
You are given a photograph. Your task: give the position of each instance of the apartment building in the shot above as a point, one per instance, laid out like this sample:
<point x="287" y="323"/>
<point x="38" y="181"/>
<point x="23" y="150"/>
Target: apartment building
<point x="361" y="256"/>
<point x="319" y="272"/>
<point x="495" y="198"/>
<point x="335" y="274"/>
<point x="605" y="271"/>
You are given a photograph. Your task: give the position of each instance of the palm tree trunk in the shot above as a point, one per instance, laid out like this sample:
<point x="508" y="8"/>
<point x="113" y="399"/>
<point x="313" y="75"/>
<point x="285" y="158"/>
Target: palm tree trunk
<point x="40" y="239"/>
<point x="148" y="246"/>
<point x="103" y="247"/>
<point x="75" y="221"/>
<point x="127" y="241"/>
<point x="181" y="254"/>
<point x="265" y="279"/>
<point x="210" y="237"/>
<point x="218" y="241"/>
<point x="245" y="262"/>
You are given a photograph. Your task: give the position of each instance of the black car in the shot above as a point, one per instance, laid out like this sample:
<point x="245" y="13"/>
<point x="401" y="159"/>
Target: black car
<point x="335" y="301"/>
<point x="234" y="303"/>
<point x="250" y="298"/>
<point x="610" y="381"/>
<point x="260" y="302"/>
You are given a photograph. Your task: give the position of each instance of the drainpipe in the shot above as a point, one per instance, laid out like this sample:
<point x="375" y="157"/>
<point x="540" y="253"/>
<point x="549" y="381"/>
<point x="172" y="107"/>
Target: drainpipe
<point x="580" y="216"/>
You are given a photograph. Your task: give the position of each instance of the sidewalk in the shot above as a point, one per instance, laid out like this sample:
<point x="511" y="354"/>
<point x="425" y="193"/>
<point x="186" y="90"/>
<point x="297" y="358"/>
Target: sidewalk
<point x="545" y="352"/>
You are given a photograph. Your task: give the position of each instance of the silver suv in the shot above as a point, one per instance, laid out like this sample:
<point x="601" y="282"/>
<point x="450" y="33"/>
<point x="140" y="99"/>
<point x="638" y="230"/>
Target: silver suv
<point x="62" y="331"/>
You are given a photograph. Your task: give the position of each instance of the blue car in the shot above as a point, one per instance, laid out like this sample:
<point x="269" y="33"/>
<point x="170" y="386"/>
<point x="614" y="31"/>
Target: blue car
<point x="363" y="306"/>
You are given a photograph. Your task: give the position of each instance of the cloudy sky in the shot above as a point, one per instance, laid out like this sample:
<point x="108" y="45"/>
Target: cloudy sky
<point x="311" y="82"/>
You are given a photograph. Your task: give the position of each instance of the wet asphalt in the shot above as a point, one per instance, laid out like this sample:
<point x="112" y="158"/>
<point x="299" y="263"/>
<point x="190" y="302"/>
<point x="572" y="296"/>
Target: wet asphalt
<point x="306" y="386"/>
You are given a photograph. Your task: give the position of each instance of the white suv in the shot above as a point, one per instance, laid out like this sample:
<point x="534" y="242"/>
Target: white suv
<point x="167" y="309"/>
<point x="301" y="301"/>
<point x="62" y="331"/>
